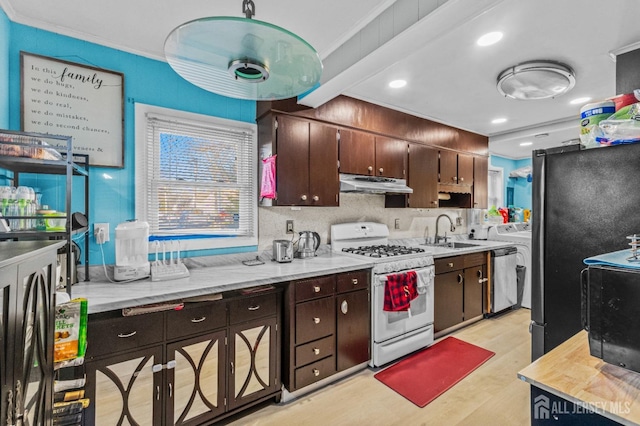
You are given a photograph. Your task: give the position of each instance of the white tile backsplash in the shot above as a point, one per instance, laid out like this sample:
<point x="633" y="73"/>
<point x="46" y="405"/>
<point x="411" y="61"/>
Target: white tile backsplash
<point x="354" y="207"/>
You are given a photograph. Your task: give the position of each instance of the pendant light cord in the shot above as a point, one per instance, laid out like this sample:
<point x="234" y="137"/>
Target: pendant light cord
<point x="248" y="8"/>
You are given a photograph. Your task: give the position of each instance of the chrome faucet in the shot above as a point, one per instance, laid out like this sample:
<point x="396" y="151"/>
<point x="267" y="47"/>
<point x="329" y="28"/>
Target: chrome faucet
<point x="453" y="228"/>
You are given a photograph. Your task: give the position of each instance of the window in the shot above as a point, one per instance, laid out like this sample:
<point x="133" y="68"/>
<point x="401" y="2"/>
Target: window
<point x="495" y="188"/>
<point x="196" y="178"/>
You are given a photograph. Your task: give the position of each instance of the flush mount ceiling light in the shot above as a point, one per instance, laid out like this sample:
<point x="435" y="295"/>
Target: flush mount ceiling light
<point x="489" y="38"/>
<point x="536" y="80"/>
<point x="242" y="57"/>
<point x="397" y="84"/>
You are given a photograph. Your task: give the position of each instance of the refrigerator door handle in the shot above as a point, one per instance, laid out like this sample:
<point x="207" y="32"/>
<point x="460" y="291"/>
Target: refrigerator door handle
<point x="584" y="298"/>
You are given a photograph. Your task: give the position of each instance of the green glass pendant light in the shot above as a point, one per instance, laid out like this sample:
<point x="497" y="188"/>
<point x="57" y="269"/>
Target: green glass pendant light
<point x="242" y="57"/>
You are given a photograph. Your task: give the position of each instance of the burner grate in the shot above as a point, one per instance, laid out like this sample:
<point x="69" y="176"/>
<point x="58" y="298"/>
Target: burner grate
<point x="383" y="250"/>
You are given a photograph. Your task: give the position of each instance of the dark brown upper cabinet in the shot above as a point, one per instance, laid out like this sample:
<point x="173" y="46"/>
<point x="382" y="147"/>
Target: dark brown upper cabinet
<point x="365" y="154"/>
<point x="456" y="169"/>
<point x="357" y="153"/>
<point x="423" y="176"/>
<point x="306" y="163"/>
<point x="480" y="182"/>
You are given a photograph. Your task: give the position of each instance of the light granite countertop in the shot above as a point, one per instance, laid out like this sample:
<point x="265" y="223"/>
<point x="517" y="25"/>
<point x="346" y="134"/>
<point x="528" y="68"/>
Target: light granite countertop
<point x="217" y="274"/>
<point x="207" y="276"/>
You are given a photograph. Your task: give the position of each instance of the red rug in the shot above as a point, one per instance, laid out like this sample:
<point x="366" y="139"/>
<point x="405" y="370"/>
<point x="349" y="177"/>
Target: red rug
<point x="425" y="375"/>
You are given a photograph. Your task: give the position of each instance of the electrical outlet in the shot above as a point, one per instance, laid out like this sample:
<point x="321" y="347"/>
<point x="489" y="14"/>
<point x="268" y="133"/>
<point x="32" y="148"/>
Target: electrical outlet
<point x="397" y="224"/>
<point x="289" y="227"/>
<point x="101" y="232"/>
<point x="458" y="221"/>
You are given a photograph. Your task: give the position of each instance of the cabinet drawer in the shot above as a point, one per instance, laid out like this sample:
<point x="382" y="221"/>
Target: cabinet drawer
<point x="252" y="307"/>
<point x="313" y="351"/>
<point x="447" y="264"/>
<point x="315" y="319"/>
<point x="314" y="288"/>
<point x="196" y="318"/>
<point x="120" y="334"/>
<point x="314" y="372"/>
<point x="475" y="259"/>
<point x="352" y="281"/>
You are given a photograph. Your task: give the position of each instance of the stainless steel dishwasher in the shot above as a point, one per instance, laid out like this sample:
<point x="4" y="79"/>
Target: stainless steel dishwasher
<point x="504" y="280"/>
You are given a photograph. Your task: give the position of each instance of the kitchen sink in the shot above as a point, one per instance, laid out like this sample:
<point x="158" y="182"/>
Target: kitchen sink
<point x="452" y="244"/>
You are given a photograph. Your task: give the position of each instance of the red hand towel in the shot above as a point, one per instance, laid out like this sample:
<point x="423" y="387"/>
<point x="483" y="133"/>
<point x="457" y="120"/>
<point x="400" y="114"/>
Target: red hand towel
<point x="399" y="291"/>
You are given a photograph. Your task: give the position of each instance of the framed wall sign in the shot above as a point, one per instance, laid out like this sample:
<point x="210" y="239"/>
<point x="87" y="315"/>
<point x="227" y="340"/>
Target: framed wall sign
<point x="64" y="98"/>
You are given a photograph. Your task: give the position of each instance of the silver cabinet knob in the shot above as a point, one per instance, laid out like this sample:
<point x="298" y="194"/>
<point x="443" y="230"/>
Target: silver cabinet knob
<point x="354" y="281"/>
<point x="381" y="170"/>
<point x="455" y="178"/>
<point x="316" y="372"/>
<point x="370" y="168"/>
<point x="316" y="351"/>
<point x="461" y="179"/>
<point x="316" y="198"/>
<point x="316" y="320"/>
<point x="303" y="198"/>
<point x="316" y="289"/>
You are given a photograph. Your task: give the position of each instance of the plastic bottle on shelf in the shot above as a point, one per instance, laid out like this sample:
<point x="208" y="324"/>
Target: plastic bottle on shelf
<point x="5" y="196"/>
<point x="24" y="199"/>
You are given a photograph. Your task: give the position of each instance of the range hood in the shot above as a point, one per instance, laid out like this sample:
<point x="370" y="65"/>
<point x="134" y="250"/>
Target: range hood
<point x="373" y="184"/>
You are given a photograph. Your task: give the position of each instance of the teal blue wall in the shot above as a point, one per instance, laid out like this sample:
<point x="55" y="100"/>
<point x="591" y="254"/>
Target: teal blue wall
<point x="4" y="70"/>
<point x="146" y="81"/>
<point x="521" y="188"/>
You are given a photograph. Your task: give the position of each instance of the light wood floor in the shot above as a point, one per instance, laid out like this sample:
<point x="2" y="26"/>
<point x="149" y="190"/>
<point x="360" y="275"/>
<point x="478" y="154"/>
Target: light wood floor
<point x="491" y="395"/>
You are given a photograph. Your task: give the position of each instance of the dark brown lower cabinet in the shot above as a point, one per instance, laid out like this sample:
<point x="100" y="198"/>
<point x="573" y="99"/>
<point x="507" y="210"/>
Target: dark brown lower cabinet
<point x="353" y="333"/>
<point x="460" y="289"/>
<point x="327" y="325"/>
<point x="448" y="298"/>
<point x="27" y="286"/>
<point x="188" y="367"/>
<point x="126" y="388"/>
<point x="474" y="291"/>
<point x="196" y="381"/>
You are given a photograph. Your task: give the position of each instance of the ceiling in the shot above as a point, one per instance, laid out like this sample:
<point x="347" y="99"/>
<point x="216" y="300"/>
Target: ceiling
<point x="430" y="43"/>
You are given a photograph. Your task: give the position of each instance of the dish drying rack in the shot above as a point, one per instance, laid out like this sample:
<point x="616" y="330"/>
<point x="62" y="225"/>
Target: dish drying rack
<point x="170" y="267"/>
<point x="634" y="243"/>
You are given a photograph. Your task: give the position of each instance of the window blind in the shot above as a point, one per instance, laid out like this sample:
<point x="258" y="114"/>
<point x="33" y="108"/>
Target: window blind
<point x="199" y="178"/>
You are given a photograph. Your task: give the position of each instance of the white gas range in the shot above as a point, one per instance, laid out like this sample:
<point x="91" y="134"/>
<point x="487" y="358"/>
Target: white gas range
<point x="394" y="333"/>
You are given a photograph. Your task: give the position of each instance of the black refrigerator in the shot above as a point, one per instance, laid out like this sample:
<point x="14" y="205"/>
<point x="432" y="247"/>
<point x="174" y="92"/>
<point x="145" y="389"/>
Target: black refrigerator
<point x="585" y="202"/>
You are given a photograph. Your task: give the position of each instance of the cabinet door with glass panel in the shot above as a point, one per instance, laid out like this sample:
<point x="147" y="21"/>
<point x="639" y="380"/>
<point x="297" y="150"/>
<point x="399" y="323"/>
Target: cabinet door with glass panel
<point x="196" y="379"/>
<point x="126" y="389"/>
<point x="252" y="361"/>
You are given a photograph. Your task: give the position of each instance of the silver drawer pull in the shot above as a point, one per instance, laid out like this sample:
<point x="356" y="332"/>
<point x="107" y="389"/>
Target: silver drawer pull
<point x="254" y="307"/>
<point x="196" y="320"/>
<point x="450" y="264"/>
<point x="124" y="336"/>
<point x="316" y="320"/>
<point x="316" y="351"/>
<point x="316" y="372"/>
<point x="316" y="289"/>
<point x="354" y="281"/>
